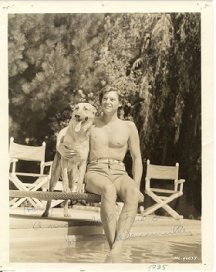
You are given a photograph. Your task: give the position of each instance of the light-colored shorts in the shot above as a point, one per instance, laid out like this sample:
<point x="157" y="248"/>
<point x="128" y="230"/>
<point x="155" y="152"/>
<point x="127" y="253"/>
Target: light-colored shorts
<point x="109" y="168"/>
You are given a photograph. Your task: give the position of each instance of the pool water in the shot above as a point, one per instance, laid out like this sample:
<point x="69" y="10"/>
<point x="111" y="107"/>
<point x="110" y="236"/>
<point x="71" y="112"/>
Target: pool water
<point x="94" y="249"/>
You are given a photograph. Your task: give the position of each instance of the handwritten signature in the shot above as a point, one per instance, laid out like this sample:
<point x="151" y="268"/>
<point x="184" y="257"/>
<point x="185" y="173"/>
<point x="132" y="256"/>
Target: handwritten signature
<point x="176" y="230"/>
<point x="39" y="225"/>
<point x="110" y="217"/>
<point x="33" y="210"/>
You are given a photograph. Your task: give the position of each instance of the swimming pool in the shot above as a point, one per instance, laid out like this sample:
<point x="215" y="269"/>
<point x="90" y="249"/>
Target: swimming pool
<point x="94" y="249"/>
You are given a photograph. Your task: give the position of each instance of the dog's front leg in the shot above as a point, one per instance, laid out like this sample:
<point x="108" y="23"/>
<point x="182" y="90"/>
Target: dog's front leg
<point x="55" y="175"/>
<point x="74" y="178"/>
<point x="82" y="170"/>
<point x="65" y="185"/>
<point x="65" y="176"/>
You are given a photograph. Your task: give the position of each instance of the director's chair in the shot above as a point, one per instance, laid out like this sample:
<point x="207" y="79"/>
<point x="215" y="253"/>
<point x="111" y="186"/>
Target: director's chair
<point x="163" y="174"/>
<point x="36" y="154"/>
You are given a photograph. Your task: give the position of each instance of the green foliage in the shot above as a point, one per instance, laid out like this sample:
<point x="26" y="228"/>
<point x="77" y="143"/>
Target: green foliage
<point x="56" y="60"/>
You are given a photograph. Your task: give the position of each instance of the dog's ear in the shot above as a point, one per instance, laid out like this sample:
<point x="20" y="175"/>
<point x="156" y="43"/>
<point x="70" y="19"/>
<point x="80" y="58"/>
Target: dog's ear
<point x="94" y="110"/>
<point x="74" y="107"/>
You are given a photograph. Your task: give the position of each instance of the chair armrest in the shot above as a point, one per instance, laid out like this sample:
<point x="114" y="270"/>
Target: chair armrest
<point x="49" y="163"/>
<point x="30" y="174"/>
<point x="180" y="181"/>
<point x="45" y="164"/>
<point x="12" y="160"/>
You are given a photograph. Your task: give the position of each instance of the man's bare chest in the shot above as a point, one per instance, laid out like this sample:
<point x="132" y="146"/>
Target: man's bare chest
<point x="112" y="136"/>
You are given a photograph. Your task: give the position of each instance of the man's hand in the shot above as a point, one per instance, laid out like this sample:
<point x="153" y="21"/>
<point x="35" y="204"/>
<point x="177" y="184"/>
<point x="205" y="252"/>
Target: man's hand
<point x="65" y="151"/>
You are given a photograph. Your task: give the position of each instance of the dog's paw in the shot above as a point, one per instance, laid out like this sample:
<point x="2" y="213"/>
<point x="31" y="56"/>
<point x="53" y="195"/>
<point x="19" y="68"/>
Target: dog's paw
<point x="67" y="190"/>
<point x="74" y="188"/>
<point x="80" y="189"/>
<point x="45" y="214"/>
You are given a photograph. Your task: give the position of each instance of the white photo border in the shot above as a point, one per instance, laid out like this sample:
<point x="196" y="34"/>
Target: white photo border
<point x="206" y="10"/>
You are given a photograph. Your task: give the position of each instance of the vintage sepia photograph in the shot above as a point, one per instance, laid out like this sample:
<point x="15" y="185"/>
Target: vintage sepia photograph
<point x="105" y="138"/>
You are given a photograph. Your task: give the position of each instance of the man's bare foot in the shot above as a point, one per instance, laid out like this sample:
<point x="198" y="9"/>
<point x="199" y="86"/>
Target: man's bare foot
<point x="117" y="248"/>
<point x="108" y="258"/>
<point x="113" y="258"/>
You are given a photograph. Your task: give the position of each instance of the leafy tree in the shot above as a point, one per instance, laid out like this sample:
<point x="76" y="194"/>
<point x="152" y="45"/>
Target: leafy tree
<point x="56" y="60"/>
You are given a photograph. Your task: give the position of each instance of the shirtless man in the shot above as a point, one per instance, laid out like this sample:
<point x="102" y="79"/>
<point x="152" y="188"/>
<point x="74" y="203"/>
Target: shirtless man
<point x="110" y="138"/>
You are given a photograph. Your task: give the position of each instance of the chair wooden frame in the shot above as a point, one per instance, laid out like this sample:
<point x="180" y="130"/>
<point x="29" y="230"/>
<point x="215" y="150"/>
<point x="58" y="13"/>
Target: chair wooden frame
<point x="163" y="173"/>
<point x="28" y="153"/>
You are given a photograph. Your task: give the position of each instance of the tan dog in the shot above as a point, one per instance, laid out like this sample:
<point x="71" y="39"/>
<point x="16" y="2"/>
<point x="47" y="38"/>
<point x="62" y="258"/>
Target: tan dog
<point x="75" y="137"/>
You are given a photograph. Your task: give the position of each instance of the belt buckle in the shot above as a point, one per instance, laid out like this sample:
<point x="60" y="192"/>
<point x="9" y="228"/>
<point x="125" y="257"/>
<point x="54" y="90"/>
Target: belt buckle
<point x="108" y="163"/>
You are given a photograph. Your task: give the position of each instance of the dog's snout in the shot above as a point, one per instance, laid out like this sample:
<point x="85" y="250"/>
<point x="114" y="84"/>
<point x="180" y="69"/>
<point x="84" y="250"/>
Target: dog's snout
<point x="86" y="119"/>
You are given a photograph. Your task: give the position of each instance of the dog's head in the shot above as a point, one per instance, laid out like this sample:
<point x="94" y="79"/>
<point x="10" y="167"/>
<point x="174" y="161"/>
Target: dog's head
<point x="83" y="116"/>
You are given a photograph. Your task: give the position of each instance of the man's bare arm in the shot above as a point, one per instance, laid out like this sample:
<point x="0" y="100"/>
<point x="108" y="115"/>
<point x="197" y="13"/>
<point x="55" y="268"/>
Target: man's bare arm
<point x="61" y="148"/>
<point x="134" y="146"/>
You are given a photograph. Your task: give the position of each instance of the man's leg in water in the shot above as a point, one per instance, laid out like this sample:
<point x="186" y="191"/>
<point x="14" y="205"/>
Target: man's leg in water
<point x="129" y="193"/>
<point x="101" y="185"/>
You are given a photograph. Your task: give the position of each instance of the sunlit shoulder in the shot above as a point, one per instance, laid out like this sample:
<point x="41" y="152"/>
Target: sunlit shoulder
<point x="131" y="125"/>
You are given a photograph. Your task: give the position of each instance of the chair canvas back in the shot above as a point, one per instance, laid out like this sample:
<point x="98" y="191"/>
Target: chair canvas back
<point x="162" y="172"/>
<point x="27" y="153"/>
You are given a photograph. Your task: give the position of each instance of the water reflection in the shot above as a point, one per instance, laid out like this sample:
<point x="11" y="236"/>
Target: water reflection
<point x="170" y="249"/>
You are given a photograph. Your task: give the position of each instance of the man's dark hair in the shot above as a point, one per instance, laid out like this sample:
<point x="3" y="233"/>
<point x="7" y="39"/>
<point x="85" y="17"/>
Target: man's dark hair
<point x="107" y="90"/>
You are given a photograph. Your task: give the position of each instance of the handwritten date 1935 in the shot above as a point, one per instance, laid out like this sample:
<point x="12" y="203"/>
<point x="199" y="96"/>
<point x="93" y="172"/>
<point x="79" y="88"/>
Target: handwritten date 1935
<point x="157" y="267"/>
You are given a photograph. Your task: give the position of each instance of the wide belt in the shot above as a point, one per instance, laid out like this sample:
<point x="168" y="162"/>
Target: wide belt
<point x="106" y="160"/>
